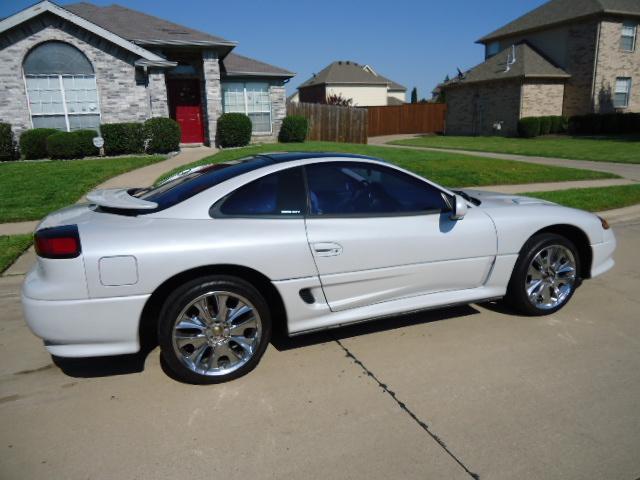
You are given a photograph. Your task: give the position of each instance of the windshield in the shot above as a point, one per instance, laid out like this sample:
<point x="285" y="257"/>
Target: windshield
<point x="181" y="187"/>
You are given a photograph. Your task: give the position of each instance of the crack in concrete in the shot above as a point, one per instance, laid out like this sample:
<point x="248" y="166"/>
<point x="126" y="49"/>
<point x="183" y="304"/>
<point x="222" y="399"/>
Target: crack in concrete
<point x="407" y="410"/>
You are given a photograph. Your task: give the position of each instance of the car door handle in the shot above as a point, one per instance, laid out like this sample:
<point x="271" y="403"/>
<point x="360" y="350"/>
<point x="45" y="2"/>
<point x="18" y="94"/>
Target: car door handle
<point x="327" y="249"/>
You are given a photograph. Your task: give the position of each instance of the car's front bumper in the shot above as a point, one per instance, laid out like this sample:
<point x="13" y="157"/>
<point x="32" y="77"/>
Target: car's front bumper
<point x="86" y="328"/>
<point x="602" y="260"/>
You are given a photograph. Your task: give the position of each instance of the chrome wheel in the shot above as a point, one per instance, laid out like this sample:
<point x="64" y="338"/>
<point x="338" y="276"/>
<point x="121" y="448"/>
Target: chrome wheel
<point x="551" y="277"/>
<point x="217" y="333"/>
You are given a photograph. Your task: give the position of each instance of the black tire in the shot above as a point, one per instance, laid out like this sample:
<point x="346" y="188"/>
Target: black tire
<point x="181" y="299"/>
<point x="516" y="295"/>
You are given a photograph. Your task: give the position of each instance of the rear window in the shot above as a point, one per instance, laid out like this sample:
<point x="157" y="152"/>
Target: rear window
<point x="185" y="186"/>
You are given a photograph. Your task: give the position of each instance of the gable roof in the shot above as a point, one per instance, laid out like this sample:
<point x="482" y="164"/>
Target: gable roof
<point x="349" y="72"/>
<point x="143" y="29"/>
<point x="235" y="65"/>
<point x="528" y="64"/>
<point x="149" y="58"/>
<point x="563" y="11"/>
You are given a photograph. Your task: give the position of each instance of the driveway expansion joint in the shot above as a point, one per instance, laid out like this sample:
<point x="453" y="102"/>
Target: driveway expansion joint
<point x="406" y="409"/>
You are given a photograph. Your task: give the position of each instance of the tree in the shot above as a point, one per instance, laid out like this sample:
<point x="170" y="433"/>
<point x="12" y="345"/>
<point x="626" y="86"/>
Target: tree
<point x="414" y="95"/>
<point x="338" y="99"/>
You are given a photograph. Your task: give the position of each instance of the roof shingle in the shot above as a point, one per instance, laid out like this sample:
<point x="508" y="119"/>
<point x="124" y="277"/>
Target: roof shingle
<point x="562" y="11"/>
<point x="349" y="72"/>
<point x="142" y="28"/>
<point x="528" y="64"/>
<point x="238" y="65"/>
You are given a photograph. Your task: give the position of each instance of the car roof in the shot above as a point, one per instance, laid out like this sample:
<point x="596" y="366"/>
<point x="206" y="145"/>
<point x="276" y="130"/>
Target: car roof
<point x="281" y="157"/>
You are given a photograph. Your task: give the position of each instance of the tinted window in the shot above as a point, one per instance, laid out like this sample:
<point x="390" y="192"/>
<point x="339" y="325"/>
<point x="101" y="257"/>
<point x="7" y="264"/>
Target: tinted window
<point x="186" y="186"/>
<point x="364" y="189"/>
<point x="278" y="194"/>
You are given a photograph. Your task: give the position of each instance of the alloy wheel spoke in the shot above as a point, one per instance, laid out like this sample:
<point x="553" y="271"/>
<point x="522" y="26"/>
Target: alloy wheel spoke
<point x="237" y="312"/>
<point x="223" y="311"/>
<point x="196" y="357"/>
<point x="205" y="313"/>
<point x="534" y="289"/>
<point x="240" y="328"/>
<point x="244" y="343"/>
<point x="184" y="339"/>
<point x="190" y="323"/>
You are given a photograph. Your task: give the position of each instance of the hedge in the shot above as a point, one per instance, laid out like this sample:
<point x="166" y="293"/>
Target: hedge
<point x="294" y="129"/>
<point x="122" y="138"/>
<point x="162" y="135"/>
<point x="545" y="125"/>
<point x="234" y="130"/>
<point x="33" y="143"/>
<point x="529" y="127"/>
<point x="7" y="149"/>
<point x="66" y="145"/>
<point x="604" y="123"/>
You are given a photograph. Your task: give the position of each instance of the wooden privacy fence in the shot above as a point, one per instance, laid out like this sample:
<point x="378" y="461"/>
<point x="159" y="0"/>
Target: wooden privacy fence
<point x="332" y="123"/>
<point x="407" y="118"/>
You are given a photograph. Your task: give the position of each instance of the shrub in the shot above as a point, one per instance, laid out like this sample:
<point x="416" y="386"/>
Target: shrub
<point x="162" y="135"/>
<point x="529" y="127"/>
<point x="604" y="123"/>
<point x="7" y="148"/>
<point x="294" y="129"/>
<point x="234" y="130"/>
<point x="78" y="144"/>
<point x="121" y="138"/>
<point x="545" y="125"/>
<point x="33" y="143"/>
<point x="558" y="124"/>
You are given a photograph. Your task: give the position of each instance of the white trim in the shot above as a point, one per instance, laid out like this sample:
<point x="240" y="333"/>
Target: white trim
<point x="47" y="6"/>
<point x="64" y="103"/>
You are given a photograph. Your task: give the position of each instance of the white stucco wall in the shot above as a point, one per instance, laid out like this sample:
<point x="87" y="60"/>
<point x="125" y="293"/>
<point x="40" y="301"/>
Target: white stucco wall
<point x="402" y="96"/>
<point x="362" y="95"/>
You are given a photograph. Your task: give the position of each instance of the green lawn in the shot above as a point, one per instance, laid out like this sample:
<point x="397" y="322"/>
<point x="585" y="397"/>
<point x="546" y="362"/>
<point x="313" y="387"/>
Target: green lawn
<point x="449" y="169"/>
<point x="594" y="199"/>
<point x="11" y="247"/>
<point x="30" y="190"/>
<point x="624" y="149"/>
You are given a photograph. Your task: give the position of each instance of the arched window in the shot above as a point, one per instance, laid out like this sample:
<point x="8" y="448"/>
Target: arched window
<point x="61" y="88"/>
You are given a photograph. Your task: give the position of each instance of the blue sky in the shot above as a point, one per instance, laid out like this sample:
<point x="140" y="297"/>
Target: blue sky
<point x="414" y="42"/>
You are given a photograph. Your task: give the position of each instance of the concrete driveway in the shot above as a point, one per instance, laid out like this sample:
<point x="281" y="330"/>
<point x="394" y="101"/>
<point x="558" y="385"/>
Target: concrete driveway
<point x="452" y="394"/>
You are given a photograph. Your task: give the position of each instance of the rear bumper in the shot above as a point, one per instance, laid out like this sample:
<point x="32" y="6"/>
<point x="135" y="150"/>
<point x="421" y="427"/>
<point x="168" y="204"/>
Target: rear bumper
<point x="86" y="328"/>
<point x="603" y="255"/>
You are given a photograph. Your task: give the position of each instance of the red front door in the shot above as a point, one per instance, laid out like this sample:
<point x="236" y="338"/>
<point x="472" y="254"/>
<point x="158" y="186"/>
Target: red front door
<point x="186" y="108"/>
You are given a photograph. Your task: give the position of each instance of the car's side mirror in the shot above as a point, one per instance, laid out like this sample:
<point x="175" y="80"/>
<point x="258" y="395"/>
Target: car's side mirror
<point x="459" y="208"/>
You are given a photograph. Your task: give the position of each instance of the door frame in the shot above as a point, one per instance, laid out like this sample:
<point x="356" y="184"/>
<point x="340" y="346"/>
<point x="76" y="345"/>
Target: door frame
<point x="172" y="83"/>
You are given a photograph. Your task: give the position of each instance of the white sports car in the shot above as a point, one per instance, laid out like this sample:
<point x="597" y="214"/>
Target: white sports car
<point x="212" y="259"/>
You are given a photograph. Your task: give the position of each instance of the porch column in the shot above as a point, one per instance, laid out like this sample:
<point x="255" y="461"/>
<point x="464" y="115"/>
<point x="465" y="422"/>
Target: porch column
<point x="212" y="92"/>
<point x="278" y="106"/>
<point x="158" y="102"/>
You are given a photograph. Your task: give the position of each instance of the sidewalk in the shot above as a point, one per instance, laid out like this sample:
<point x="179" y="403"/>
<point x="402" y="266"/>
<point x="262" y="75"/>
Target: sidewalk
<point x="624" y="170"/>
<point x="141" y="177"/>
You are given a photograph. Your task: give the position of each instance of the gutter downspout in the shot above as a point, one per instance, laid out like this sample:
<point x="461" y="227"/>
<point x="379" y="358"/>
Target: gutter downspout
<point x="595" y="69"/>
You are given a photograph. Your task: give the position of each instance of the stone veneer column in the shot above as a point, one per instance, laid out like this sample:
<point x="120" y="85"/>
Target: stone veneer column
<point x="212" y="91"/>
<point x="158" y="101"/>
<point x="278" y="107"/>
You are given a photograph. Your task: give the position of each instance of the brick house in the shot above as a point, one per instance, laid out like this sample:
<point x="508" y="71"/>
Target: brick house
<point x="81" y="65"/>
<point x="567" y="57"/>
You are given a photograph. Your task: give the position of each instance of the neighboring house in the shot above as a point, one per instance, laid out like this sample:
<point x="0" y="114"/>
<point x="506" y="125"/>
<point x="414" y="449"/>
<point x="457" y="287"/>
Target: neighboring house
<point x="361" y="83"/>
<point x="81" y="65"/>
<point x="567" y="57"/>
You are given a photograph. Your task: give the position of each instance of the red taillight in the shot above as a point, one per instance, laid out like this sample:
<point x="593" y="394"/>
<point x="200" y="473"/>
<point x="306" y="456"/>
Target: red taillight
<point x="58" y="242"/>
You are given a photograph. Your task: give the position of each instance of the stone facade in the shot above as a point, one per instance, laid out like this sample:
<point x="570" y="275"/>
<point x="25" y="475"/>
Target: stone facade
<point x="613" y="62"/>
<point x="541" y="98"/>
<point x="212" y="91"/>
<point x="157" y="91"/>
<point x="476" y="109"/>
<point x="121" y="98"/>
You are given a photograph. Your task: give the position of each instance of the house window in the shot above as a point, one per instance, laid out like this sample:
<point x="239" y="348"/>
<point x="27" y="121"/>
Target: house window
<point x="61" y="88"/>
<point x="250" y="98"/>
<point x="621" y="95"/>
<point x="492" y="49"/>
<point x="628" y="38"/>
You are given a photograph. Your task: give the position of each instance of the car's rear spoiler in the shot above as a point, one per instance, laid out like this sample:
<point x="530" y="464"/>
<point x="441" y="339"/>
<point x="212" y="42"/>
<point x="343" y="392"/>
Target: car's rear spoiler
<point x="119" y="198"/>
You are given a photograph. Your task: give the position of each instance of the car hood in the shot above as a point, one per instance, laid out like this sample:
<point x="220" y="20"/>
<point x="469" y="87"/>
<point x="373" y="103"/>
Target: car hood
<point x="494" y="199"/>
